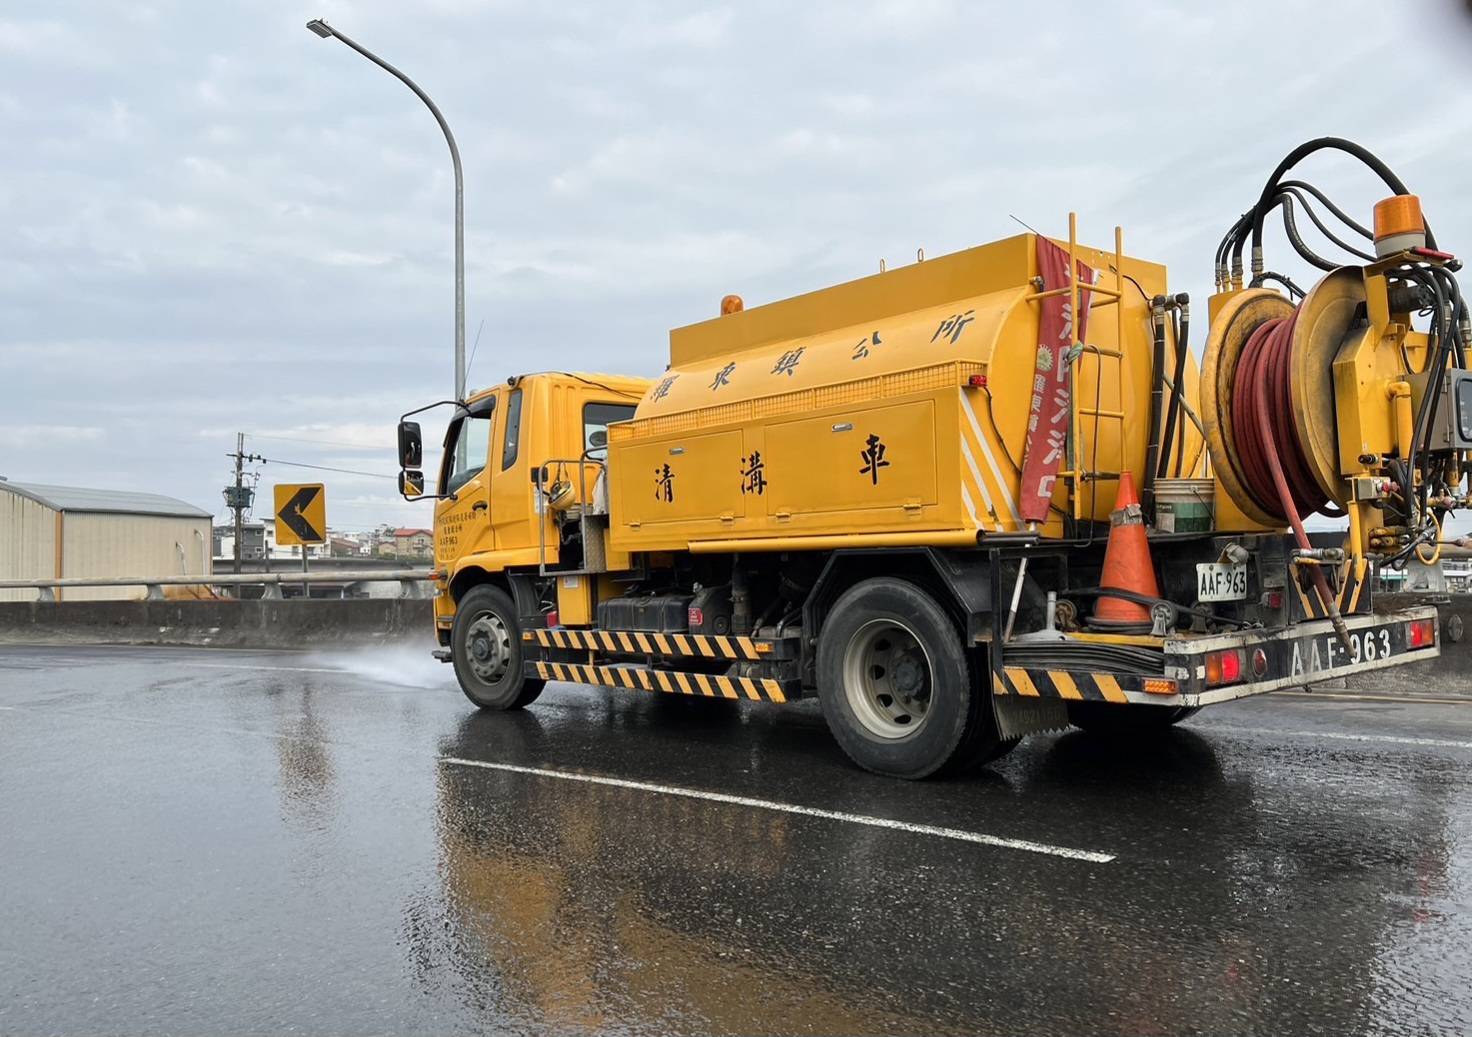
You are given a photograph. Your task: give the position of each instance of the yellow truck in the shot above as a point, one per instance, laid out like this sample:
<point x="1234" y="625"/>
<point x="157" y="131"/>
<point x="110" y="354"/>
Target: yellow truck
<point x="958" y="515"/>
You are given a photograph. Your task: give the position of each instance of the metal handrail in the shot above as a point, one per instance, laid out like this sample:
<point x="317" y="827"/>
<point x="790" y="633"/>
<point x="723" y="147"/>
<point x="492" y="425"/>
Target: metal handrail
<point x="271" y="580"/>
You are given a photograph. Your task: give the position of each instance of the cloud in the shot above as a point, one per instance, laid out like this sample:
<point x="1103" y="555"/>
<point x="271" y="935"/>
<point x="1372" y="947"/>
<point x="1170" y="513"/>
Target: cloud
<point x="252" y="234"/>
<point x="20" y="437"/>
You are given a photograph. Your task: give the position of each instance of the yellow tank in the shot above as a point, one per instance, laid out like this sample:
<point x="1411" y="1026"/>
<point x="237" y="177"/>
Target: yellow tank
<point x="889" y="410"/>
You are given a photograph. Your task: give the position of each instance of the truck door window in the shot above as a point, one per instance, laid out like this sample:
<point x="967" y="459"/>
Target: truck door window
<point x="467" y="445"/>
<point x="598" y="416"/>
<point x="512" y="443"/>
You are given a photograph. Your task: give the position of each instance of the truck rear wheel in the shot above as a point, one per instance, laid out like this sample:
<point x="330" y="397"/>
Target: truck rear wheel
<point x="485" y="647"/>
<point x="1107" y="718"/>
<point x="895" y="683"/>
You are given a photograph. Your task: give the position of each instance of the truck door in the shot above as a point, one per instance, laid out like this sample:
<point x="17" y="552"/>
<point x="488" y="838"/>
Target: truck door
<point x="513" y="500"/>
<point x="463" y="525"/>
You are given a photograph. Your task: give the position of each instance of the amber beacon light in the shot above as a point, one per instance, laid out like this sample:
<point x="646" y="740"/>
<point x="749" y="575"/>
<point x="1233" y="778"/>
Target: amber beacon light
<point x="1399" y="225"/>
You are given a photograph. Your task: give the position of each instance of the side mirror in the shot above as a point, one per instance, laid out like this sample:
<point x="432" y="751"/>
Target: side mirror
<point x="411" y="447"/>
<point x="598" y="439"/>
<point x="411" y="484"/>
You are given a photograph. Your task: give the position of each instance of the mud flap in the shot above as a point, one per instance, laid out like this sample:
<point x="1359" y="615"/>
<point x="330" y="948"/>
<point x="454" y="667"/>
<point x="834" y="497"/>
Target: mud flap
<point x="1018" y="716"/>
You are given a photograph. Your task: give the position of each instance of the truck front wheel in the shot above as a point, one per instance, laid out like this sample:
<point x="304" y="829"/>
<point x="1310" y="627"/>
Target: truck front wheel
<point x="894" y="681"/>
<point x="485" y="645"/>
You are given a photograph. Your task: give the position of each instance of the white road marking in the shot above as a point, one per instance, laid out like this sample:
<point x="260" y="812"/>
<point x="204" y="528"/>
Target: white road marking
<point x="1435" y="743"/>
<point x="1092" y="856"/>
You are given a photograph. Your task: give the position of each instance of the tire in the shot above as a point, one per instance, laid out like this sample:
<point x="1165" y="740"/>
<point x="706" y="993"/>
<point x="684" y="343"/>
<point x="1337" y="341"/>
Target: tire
<point x="1107" y="718"/>
<point x="485" y="646"/>
<point x="896" y="686"/>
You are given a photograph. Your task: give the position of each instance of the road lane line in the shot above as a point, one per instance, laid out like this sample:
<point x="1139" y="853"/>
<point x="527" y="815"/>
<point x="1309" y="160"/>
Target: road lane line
<point x="1357" y="696"/>
<point x="1092" y="856"/>
<point x="1342" y="736"/>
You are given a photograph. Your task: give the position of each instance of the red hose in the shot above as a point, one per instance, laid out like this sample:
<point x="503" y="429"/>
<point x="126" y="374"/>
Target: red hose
<point x="1274" y="467"/>
<point x="1273" y="464"/>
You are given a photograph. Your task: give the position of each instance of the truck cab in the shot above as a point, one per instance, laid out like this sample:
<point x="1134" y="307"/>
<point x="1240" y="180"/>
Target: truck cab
<point x="538" y="430"/>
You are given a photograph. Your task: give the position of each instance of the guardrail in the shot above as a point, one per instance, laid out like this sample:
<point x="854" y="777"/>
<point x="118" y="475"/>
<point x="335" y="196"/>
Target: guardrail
<point x="408" y="580"/>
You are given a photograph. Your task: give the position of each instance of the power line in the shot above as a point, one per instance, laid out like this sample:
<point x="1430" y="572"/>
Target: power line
<point x="474" y="347"/>
<point x="325" y="468"/>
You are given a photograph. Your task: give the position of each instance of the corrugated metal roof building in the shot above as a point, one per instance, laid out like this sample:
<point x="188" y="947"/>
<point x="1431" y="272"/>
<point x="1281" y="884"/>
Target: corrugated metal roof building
<point x="64" y="531"/>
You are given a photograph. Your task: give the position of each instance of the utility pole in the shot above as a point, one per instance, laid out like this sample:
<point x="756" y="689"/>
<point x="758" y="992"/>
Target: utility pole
<point x="238" y="498"/>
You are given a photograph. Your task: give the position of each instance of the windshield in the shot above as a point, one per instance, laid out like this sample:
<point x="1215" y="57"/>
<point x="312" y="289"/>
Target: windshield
<point x="466" y="445"/>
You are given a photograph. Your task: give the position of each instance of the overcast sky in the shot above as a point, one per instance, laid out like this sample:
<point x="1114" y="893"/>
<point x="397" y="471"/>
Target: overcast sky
<point x="212" y="221"/>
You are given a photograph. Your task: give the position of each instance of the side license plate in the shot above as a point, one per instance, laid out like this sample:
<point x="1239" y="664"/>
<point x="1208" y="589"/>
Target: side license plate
<point x="1218" y="582"/>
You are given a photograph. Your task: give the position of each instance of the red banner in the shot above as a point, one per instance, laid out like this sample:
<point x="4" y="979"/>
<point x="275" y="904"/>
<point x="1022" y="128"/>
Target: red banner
<point x="1047" y="415"/>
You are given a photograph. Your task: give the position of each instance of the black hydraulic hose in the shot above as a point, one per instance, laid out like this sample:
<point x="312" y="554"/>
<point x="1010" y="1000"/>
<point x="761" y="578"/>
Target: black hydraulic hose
<point x="1181" y="325"/>
<point x="1356" y="252"/>
<point x="1354" y="225"/>
<point x="1287" y="282"/>
<point x="1449" y="310"/>
<point x="1157" y="401"/>
<point x="1270" y="189"/>
<point x="1290" y="227"/>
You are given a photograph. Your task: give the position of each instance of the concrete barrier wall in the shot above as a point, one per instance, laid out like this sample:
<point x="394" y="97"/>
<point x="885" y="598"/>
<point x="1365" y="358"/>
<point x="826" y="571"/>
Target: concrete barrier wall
<point x="297" y="623"/>
<point x="292" y="623"/>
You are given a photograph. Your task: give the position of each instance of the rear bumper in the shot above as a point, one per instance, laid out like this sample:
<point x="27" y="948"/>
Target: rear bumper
<point x="1295" y="656"/>
<point x="1305" y="653"/>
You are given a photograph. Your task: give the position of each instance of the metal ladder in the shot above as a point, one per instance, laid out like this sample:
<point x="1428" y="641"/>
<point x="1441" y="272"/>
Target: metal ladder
<point x="1076" y="473"/>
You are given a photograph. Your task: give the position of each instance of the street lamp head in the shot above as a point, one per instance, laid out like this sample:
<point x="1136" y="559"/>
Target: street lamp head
<point x="320" y="27"/>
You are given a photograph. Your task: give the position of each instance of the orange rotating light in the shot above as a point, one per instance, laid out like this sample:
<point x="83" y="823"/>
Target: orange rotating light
<point x="732" y="304"/>
<point x="1399" y="225"/>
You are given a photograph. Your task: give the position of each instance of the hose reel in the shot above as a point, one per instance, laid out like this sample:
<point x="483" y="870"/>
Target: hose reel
<point x="1266" y="358"/>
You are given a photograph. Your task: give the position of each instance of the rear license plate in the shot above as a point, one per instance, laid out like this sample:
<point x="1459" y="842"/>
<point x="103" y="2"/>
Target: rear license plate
<point x="1323" y="653"/>
<point x="1216" y="581"/>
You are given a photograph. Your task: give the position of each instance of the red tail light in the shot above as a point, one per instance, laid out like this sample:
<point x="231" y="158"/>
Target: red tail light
<point x="1224" y="667"/>
<point x="1421" y="633"/>
<point x="553" y="618"/>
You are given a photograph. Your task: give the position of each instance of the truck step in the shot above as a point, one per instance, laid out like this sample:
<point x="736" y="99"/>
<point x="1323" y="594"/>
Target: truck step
<point x="638" y="678"/>
<point x="645" y="642"/>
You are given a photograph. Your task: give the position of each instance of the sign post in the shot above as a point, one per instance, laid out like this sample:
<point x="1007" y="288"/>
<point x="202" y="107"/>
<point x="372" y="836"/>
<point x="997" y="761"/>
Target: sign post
<point x="301" y="519"/>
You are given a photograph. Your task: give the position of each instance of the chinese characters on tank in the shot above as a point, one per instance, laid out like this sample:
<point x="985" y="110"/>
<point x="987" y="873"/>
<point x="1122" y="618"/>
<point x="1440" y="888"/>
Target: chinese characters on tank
<point x="862" y="349"/>
<point x="663" y="388"/>
<point x="664" y="484"/>
<point x="873" y="455"/>
<point x="723" y="377"/>
<point x="953" y="325"/>
<point x="753" y="474"/>
<point x="787" y="362"/>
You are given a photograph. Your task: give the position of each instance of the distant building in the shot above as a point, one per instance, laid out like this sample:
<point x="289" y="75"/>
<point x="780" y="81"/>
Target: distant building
<point x="411" y="544"/>
<point x="252" y="541"/>
<point x="344" y="547"/>
<point x="51" y="532"/>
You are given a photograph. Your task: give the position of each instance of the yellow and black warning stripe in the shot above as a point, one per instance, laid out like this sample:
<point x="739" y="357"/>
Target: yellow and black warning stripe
<point x="757" y="689"/>
<point x="1347" y="600"/>
<point x="1073" y="685"/>
<point x="643" y="642"/>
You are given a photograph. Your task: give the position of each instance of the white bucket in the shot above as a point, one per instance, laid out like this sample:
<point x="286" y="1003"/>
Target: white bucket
<point x="1185" y="505"/>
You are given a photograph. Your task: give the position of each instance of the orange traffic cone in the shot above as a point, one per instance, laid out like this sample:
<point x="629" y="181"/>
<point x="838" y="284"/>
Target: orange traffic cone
<point x="1127" y="563"/>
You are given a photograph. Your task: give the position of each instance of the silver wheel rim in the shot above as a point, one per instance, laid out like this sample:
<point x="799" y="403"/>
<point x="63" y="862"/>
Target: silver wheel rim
<point x="488" y="647"/>
<point x="887" y="679"/>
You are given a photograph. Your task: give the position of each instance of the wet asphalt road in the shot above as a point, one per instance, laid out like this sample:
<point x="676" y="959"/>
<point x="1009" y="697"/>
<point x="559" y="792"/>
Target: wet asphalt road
<point x="248" y="842"/>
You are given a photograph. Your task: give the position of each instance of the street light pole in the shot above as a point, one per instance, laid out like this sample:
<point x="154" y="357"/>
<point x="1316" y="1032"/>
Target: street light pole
<point x="321" y="28"/>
